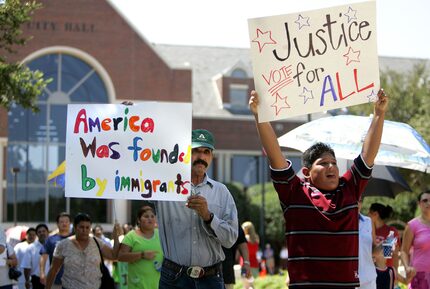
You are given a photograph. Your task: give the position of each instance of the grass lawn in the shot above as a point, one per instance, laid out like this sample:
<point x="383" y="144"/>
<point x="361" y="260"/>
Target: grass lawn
<point x="267" y="282"/>
<point x="275" y="282"/>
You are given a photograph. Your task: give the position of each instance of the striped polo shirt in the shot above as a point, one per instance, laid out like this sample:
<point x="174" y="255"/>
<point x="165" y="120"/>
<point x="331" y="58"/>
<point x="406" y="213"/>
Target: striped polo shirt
<point x="321" y="227"/>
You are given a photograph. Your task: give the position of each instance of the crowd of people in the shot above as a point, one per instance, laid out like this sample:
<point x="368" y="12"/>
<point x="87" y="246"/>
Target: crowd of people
<point x="329" y="244"/>
<point x="141" y="254"/>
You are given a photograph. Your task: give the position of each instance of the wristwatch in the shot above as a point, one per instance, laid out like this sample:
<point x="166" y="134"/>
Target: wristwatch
<point x="211" y="217"/>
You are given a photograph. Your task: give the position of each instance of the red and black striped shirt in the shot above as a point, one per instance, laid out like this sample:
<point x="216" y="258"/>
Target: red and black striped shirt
<point x="321" y="228"/>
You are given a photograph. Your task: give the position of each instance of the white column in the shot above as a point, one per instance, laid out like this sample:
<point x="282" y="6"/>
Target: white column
<point x="227" y="168"/>
<point x="119" y="211"/>
<point x="3" y="144"/>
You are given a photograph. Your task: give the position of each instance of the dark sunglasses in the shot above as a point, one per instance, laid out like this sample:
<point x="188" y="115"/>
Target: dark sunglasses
<point x="425" y="200"/>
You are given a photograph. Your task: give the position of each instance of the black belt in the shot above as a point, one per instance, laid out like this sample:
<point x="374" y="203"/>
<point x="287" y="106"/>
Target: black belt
<point x="193" y="271"/>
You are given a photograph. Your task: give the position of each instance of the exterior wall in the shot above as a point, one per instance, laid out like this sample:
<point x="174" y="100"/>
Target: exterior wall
<point x="3" y="122"/>
<point x="238" y="134"/>
<point x="227" y="81"/>
<point x="95" y="27"/>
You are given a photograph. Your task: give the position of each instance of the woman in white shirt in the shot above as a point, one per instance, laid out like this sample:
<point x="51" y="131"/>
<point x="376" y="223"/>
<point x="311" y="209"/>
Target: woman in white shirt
<point x="5" y="261"/>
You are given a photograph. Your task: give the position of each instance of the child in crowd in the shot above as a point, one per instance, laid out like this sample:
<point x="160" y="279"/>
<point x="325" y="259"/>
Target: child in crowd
<point x="385" y="274"/>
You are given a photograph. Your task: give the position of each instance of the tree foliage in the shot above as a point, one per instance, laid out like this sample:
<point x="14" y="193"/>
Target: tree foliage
<point x="18" y="84"/>
<point x="246" y="210"/>
<point x="409" y="103"/>
<point x="409" y="94"/>
<point x="274" y="226"/>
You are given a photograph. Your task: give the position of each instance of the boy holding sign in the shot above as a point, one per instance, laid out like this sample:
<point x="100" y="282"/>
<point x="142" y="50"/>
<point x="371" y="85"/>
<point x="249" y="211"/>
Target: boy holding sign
<point x="321" y="210"/>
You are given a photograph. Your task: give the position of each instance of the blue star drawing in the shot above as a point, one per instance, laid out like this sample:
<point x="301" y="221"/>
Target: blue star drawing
<point x="351" y="14"/>
<point x="280" y="103"/>
<point x="306" y="94"/>
<point x="352" y="56"/>
<point x="302" y="21"/>
<point x="372" y="96"/>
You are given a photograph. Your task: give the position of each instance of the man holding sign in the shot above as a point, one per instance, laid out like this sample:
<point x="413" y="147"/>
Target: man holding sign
<point x="321" y="210"/>
<point x="192" y="234"/>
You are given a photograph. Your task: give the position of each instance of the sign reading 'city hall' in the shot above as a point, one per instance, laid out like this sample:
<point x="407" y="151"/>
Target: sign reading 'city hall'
<point x="315" y="60"/>
<point x="140" y="151"/>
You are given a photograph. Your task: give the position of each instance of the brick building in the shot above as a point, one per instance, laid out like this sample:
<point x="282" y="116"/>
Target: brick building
<point x="94" y="55"/>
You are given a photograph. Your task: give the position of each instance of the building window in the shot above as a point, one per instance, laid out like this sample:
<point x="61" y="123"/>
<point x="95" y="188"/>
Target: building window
<point x="250" y="170"/>
<point x="238" y="92"/>
<point x="239" y="97"/>
<point x="36" y="143"/>
<point x="239" y="73"/>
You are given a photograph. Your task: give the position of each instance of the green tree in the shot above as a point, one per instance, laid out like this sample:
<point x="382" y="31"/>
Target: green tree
<point x="409" y="103"/>
<point x="274" y="225"/>
<point x="245" y="209"/>
<point x="18" y="84"/>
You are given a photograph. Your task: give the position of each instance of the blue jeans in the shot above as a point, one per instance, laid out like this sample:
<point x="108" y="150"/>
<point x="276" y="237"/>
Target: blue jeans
<point x="6" y="287"/>
<point x="170" y="279"/>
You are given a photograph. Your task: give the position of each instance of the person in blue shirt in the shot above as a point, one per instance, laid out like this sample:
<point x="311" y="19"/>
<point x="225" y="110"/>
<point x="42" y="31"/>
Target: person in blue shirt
<point x="63" y="223"/>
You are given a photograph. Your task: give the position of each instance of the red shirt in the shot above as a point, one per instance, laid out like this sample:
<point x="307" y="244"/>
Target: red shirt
<point x="321" y="228"/>
<point x="252" y="251"/>
<point x="382" y="234"/>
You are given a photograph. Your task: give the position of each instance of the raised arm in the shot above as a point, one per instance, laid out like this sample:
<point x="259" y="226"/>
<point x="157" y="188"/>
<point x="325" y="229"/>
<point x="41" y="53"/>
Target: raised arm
<point x="112" y="253"/>
<point x="373" y="137"/>
<point x="267" y="137"/>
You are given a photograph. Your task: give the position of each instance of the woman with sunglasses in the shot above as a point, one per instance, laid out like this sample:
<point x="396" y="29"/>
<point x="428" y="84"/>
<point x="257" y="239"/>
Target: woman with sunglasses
<point x="417" y="237"/>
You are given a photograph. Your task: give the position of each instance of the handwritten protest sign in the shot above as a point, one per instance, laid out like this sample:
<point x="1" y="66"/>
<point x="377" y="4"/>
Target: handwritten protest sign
<point x="142" y="151"/>
<point x="315" y="60"/>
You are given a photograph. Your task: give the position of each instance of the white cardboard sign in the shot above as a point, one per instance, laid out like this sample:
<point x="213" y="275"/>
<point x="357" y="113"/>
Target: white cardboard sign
<point x="315" y="60"/>
<point x="142" y="151"/>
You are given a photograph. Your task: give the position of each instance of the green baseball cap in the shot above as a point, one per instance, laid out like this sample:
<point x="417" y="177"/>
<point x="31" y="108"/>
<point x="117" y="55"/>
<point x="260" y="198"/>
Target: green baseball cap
<point x="202" y="138"/>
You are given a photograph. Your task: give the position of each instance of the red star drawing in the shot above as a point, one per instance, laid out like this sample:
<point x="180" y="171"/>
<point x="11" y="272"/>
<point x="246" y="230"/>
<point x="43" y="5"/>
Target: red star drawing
<point x="280" y="103"/>
<point x="352" y="55"/>
<point x="263" y="38"/>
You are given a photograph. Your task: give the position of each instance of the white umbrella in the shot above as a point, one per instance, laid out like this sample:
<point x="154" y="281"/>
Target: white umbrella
<point x="16" y="234"/>
<point x="401" y="145"/>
